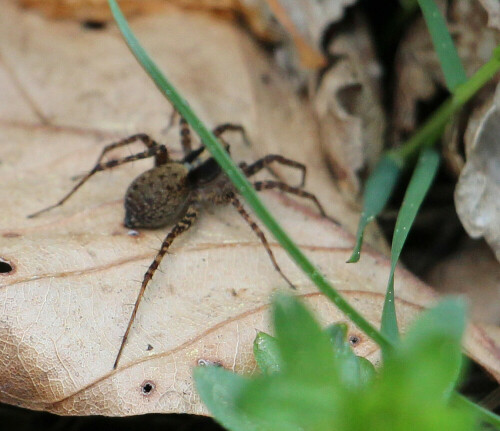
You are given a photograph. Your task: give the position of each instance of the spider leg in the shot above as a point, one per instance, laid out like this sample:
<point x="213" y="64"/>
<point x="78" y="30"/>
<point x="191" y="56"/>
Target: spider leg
<point x="230" y="127"/>
<point x="183" y="225"/>
<point x="170" y="121"/>
<point x="151" y="152"/>
<point x="268" y="185"/>
<point x="185" y="132"/>
<point x="239" y="207"/>
<point x="260" y="164"/>
<point x="160" y="159"/>
<point x="191" y="155"/>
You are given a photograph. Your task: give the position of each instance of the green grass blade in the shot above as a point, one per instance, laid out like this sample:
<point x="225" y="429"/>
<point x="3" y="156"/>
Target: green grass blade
<point x="451" y="65"/>
<point x="430" y="132"/>
<point x="239" y="180"/>
<point x="421" y="180"/>
<point x="426" y="136"/>
<point x="483" y="414"/>
<point x="377" y="192"/>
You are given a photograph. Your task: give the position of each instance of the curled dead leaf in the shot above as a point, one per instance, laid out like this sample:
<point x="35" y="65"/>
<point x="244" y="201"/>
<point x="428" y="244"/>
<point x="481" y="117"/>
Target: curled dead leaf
<point x="77" y="269"/>
<point x="493" y="9"/>
<point x="478" y="188"/>
<point x="349" y="109"/>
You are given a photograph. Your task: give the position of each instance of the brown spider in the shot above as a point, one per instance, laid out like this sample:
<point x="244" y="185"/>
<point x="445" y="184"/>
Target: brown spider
<point x="172" y="193"/>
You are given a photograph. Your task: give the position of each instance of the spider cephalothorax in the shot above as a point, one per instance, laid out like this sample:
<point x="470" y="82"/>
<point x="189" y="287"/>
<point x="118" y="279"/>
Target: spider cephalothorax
<point x="173" y="191"/>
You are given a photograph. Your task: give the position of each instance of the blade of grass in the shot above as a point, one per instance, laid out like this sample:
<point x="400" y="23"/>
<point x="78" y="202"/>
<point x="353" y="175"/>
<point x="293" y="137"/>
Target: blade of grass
<point x="240" y="181"/>
<point x="421" y="180"/>
<point x="430" y="132"/>
<point x="453" y="70"/>
<point x="377" y="192"/>
<point x="482" y="413"/>
<point x="426" y="136"/>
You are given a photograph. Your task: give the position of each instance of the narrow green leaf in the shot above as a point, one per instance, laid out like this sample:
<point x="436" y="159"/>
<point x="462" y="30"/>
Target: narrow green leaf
<point x="238" y="178"/>
<point x="377" y="192"/>
<point x="482" y="414"/>
<point x="219" y="389"/>
<point x="421" y="180"/>
<point x="266" y="352"/>
<point x="451" y="65"/>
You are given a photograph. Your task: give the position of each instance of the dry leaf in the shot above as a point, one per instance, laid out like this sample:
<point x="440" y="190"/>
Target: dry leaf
<point x="309" y="56"/>
<point x="493" y="9"/>
<point x="253" y="12"/>
<point x="76" y="270"/>
<point x="478" y="188"/>
<point x="349" y="109"/>
<point x="306" y="25"/>
<point x="471" y="270"/>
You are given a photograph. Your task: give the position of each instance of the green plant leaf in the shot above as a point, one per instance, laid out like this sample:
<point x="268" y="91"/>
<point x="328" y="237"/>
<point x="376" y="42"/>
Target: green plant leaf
<point x="417" y="378"/>
<point x="413" y="387"/>
<point x="305" y="391"/>
<point x="295" y="329"/>
<point x="266" y="352"/>
<point x="378" y="190"/>
<point x="337" y="333"/>
<point x="367" y="371"/>
<point x="354" y="371"/>
<point x="421" y="180"/>
<point x="432" y="350"/>
<point x="451" y="65"/>
<point x="219" y="389"/>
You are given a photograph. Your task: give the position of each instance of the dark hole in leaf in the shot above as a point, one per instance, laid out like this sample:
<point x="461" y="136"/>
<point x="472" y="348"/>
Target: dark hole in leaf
<point x="354" y="340"/>
<point x="147" y="388"/>
<point x="5" y="267"/>
<point x="351" y="98"/>
<point x="93" y="25"/>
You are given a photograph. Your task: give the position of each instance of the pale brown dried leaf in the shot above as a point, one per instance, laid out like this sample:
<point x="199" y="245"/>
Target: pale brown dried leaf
<point x="493" y="9"/>
<point x="478" y="187"/>
<point x="471" y="270"/>
<point x="349" y="109"/>
<point x="253" y="12"/>
<point x="77" y="269"/>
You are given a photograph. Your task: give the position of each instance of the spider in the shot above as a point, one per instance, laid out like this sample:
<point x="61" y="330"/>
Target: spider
<point x="173" y="191"/>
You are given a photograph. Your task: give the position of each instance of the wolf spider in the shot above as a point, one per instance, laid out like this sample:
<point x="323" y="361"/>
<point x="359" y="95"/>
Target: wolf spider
<point x="173" y="191"/>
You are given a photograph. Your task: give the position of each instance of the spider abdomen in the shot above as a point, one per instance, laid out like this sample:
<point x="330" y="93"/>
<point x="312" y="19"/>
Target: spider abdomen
<point x="157" y="197"/>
